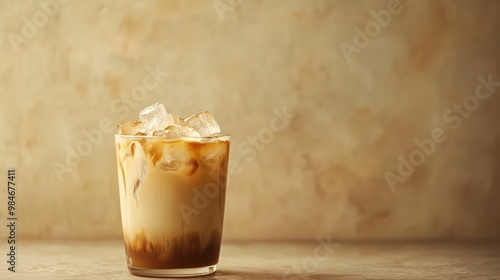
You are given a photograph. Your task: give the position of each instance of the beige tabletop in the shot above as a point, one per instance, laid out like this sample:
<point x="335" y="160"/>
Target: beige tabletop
<point x="315" y="260"/>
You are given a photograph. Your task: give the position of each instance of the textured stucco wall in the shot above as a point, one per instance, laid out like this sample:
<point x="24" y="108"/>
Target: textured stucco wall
<point x="324" y="173"/>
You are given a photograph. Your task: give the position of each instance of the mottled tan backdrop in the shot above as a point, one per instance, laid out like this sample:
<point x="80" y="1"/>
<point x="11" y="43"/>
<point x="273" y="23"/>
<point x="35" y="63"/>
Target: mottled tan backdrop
<point x="365" y="82"/>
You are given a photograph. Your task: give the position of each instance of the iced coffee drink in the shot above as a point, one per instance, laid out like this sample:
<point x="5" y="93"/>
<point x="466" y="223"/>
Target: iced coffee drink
<point x="172" y="183"/>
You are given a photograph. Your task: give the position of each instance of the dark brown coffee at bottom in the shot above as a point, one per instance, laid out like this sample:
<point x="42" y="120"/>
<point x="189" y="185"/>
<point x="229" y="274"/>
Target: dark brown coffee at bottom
<point x="186" y="251"/>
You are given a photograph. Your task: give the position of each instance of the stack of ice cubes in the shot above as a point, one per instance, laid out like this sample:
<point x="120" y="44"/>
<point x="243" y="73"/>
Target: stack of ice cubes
<point x="155" y="121"/>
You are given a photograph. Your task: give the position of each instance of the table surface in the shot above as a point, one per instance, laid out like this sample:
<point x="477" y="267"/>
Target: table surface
<point x="315" y="260"/>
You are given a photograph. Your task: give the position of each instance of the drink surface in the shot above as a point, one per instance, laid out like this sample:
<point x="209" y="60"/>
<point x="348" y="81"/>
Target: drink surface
<point x="172" y="195"/>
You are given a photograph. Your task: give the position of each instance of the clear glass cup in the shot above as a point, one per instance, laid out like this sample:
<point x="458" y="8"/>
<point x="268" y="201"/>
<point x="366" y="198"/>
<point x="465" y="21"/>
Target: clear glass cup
<point x="172" y="196"/>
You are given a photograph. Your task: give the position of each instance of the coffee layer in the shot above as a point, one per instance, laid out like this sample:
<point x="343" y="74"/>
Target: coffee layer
<point x="186" y="251"/>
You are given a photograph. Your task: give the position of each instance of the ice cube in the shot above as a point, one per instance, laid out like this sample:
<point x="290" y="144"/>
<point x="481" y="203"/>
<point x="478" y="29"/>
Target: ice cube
<point x="170" y="163"/>
<point x="176" y="130"/>
<point x="131" y="128"/>
<point x="178" y="120"/>
<point x="140" y="165"/>
<point x="190" y="168"/>
<point x="204" y="123"/>
<point x="155" y="117"/>
<point x="174" y="157"/>
<point x="134" y="151"/>
<point x="213" y="154"/>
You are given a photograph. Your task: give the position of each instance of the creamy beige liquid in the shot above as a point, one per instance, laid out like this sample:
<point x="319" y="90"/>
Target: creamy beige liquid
<point x="172" y="196"/>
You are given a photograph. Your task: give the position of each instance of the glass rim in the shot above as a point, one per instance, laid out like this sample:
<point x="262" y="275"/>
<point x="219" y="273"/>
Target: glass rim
<point x="226" y="137"/>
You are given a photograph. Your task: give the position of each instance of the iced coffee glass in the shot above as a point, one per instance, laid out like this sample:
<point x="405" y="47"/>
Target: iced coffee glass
<point x="172" y="193"/>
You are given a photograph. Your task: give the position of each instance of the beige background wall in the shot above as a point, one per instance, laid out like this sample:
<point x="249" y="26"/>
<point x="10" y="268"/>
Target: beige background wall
<point x="323" y="174"/>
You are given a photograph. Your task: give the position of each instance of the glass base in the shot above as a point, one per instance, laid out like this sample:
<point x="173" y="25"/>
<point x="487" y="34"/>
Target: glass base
<point x="176" y="272"/>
